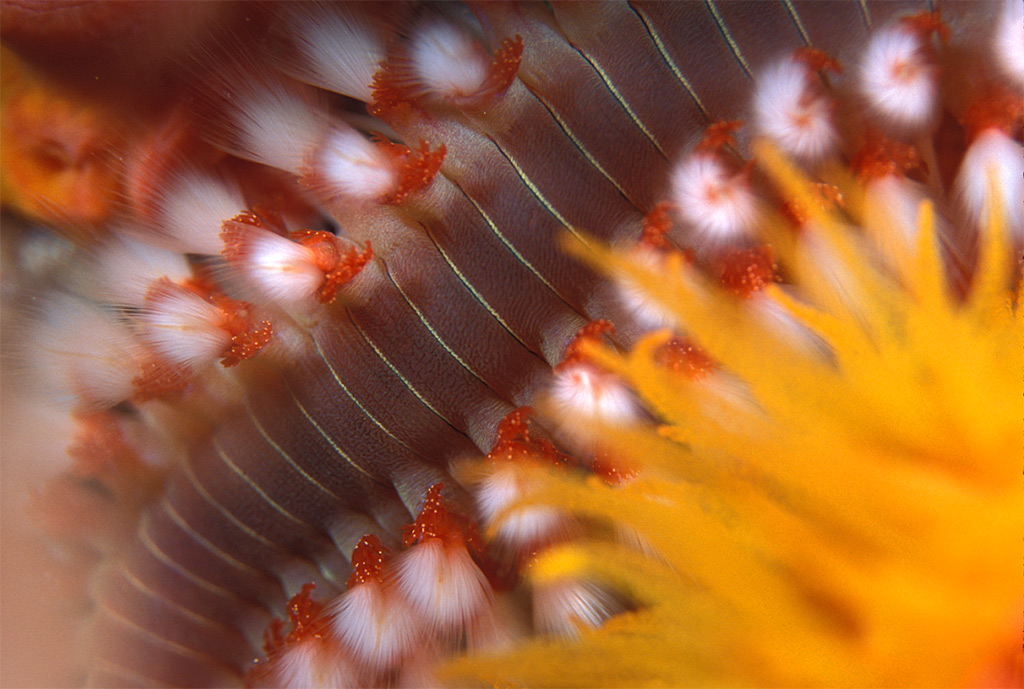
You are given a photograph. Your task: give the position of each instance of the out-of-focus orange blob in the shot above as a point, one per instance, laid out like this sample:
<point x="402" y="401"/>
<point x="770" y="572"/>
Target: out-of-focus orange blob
<point x="60" y="155"/>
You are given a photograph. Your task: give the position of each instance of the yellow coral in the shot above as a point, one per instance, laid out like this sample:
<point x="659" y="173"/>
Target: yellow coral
<point x="852" y="516"/>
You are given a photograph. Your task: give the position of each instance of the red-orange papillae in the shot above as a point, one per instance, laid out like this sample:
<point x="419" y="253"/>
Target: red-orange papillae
<point x="611" y="470"/>
<point x="234" y="230"/>
<point x="926" y="24"/>
<point x="307" y="623"/>
<point x="654" y="231"/>
<point x="744" y="272"/>
<point x="236" y="317"/>
<point x="99" y="448"/>
<point x="592" y="333"/>
<point x="719" y="135"/>
<point x="826" y="196"/>
<point x="501" y="73"/>
<point x="305" y="620"/>
<point x="157" y="380"/>
<point x="680" y="355"/>
<point x="391" y="99"/>
<point x="880" y="157"/>
<point x="244" y="345"/>
<point x="997" y="108"/>
<point x="656" y="225"/>
<point x="395" y="88"/>
<point x="247" y="338"/>
<point x="304" y="615"/>
<point x="368" y="559"/>
<point x="817" y="60"/>
<point x="338" y="264"/>
<point x="436" y="521"/>
<point x="516" y="442"/>
<point x="417" y="167"/>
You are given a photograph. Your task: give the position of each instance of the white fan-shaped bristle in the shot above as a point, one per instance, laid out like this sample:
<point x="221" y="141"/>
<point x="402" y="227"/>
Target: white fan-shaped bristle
<point x="717" y="202"/>
<point x="897" y="81"/>
<point x="448" y="60"/>
<point x="993" y="159"/>
<point x="891" y="206"/>
<point x="338" y="49"/>
<point x="790" y="113"/>
<point x="443" y="585"/>
<point x="280" y="269"/>
<point x="648" y="313"/>
<point x="193" y="208"/>
<point x="312" y="664"/>
<point x="581" y="389"/>
<point x="126" y="267"/>
<point x="352" y="166"/>
<point x="182" y="327"/>
<point x="562" y="606"/>
<point x="378" y="629"/>
<point x="85" y="357"/>
<point x="523" y="527"/>
<point x="276" y="125"/>
<point x="1008" y="41"/>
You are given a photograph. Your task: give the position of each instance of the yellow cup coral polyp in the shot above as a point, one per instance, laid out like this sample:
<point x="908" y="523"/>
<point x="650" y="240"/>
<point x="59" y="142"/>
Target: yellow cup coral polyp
<point x="837" y="503"/>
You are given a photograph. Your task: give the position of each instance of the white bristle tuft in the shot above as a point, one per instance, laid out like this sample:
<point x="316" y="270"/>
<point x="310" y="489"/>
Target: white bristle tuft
<point x="193" y="208"/>
<point x="891" y="207"/>
<point x="648" y="312"/>
<point x="993" y="158"/>
<point x="312" y="664"/>
<point x="788" y="111"/>
<point x="182" y="327"/>
<point x="352" y="166"/>
<point x="717" y="202"/>
<point x="86" y="358"/>
<point x="443" y="585"/>
<point x="583" y="390"/>
<point x="378" y="629"/>
<point x="523" y="527"/>
<point x="1008" y="41"/>
<point x="448" y="60"/>
<point x="562" y="606"/>
<point x="277" y="126"/>
<point x="897" y="80"/>
<point x="126" y="267"/>
<point x="281" y="270"/>
<point x="338" y="50"/>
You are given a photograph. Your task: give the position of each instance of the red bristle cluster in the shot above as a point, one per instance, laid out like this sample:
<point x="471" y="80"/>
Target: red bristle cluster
<point x="517" y="441"/>
<point x="719" y="136"/>
<point x="339" y="264"/>
<point x="613" y="470"/>
<point x="304" y="623"/>
<point x="502" y="72"/>
<point x="881" y="156"/>
<point x="997" y="108"/>
<point x="744" y="272"/>
<point x="817" y="60"/>
<point x="435" y="520"/>
<point x="592" y="333"/>
<point x="368" y="561"/>
<point x="927" y="24"/>
<point x="826" y="196"/>
<point x="680" y="355"/>
<point x="99" y="447"/>
<point x="416" y="168"/>
<point x="234" y="230"/>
